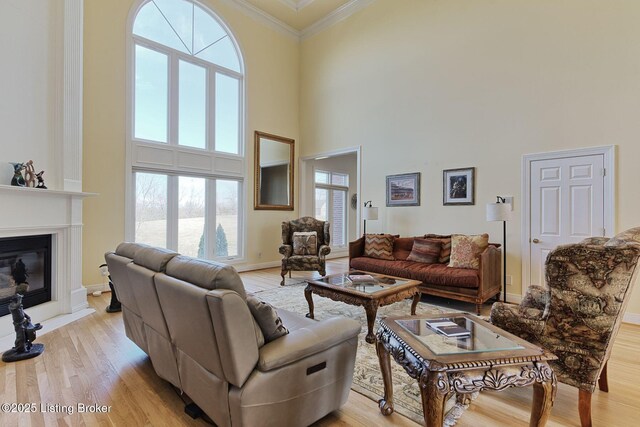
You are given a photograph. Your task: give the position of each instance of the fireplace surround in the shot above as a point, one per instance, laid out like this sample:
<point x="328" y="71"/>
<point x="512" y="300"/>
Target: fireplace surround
<point x="25" y="267"/>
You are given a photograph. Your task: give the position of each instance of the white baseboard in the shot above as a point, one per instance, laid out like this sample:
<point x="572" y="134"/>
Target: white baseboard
<point x="633" y="318"/>
<point x="102" y="287"/>
<point x="259" y="266"/>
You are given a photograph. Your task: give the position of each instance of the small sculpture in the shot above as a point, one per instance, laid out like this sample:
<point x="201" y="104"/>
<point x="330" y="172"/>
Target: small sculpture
<point x="29" y="174"/>
<point x="114" y="305"/>
<point x="40" y="180"/>
<point x="25" y="333"/>
<point x="18" y="179"/>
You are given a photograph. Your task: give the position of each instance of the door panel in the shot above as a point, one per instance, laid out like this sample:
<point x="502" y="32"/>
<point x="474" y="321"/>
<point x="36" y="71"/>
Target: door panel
<point x="567" y="205"/>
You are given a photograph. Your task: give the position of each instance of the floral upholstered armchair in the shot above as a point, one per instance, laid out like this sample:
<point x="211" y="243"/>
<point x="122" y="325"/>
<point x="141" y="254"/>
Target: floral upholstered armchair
<point x="305" y="244"/>
<point x="578" y="316"/>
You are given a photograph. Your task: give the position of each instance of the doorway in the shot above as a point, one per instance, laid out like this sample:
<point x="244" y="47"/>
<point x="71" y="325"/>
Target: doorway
<point x="329" y="187"/>
<point x="567" y="197"/>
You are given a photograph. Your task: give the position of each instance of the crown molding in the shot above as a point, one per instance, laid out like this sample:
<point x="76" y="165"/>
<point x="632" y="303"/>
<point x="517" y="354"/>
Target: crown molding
<point x="333" y="18"/>
<point x="265" y="18"/>
<point x="297" y="5"/>
<point x="341" y="13"/>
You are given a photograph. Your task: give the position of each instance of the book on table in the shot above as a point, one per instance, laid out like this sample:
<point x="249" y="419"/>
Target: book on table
<point x="448" y="328"/>
<point x="361" y="278"/>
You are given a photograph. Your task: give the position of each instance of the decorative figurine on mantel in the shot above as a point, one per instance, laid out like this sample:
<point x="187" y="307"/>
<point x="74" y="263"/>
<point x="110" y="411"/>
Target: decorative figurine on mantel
<point x="18" y="179"/>
<point x="25" y="333"/>
<point x="40" y="180"/>
<point x="29" y="174"/>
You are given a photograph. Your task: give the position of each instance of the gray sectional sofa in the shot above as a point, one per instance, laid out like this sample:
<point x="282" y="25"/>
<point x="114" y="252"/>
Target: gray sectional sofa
<point x="192" y="319"/>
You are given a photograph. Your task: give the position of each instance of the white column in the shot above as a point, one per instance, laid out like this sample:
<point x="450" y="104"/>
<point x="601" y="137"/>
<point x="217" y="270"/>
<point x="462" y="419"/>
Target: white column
<point x="72" y="95"/>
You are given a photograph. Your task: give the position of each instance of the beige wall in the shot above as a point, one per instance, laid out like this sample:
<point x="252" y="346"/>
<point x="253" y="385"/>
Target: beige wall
<point x="272" y="95"/>
<point x="427" y="85"/>
<point x="30" y="77"/>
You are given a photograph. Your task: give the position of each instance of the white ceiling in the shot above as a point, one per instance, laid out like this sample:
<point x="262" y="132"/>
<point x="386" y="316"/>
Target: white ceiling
<point x="302" y="17"/>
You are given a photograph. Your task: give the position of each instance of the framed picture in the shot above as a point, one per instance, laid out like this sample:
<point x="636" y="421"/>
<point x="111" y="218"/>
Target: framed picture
<point x="458" y="186"/>
<point x="403" y="190"/>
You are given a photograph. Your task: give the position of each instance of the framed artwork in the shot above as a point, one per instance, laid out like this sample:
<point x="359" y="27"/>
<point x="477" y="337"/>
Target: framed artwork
<point x="458" y="186"/>
<point x="403" y="190"/>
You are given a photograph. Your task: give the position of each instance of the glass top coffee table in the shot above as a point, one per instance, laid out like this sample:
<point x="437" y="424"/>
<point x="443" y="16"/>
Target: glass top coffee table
<point x="382" y="290"/>
<point x="460" y="354"/>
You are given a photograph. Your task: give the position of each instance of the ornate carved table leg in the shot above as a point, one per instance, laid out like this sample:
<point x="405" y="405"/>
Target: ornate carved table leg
<point x="386" y="403"/>
<point x="434" y="388"/>
<point x="544" y="394"/>
<point x="414" y="304"/>
<point x="307" y="295"/>
<point x="371" y="308"/>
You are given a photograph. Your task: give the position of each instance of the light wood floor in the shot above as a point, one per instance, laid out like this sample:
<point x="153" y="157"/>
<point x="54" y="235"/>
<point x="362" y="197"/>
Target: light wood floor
<point x="91" y="361"/>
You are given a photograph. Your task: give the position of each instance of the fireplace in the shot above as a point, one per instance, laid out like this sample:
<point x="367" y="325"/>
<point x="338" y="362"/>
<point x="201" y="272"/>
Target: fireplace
<point x="25" y="267"/>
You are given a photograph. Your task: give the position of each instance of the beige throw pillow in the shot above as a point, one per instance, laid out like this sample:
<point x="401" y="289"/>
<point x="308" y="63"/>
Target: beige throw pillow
<point x="267" y="318"/>
<point x="379" y="246"/>
<point x="466" y="249"/>
<point x="305" y="243"/>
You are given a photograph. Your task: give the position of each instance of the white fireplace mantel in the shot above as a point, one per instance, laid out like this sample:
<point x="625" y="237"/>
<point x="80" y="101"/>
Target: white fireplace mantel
<point x="32" y="211"/>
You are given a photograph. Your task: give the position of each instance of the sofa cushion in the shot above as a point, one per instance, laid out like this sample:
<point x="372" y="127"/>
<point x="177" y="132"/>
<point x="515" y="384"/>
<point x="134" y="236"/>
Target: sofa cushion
<point x="379" y="246"/>
<point x="267" y="318"/>
<point x="402" y="247"/>
<point x="305" y="243"/>
<point x="129" y="249"/>
<point x="466" y="249"/>
<point x="153" y="258"/>
<point x="425" y="250"/>
<point x="206" y="274"/>
<point x="437" y="274"/>
<point x="445" y="252"/>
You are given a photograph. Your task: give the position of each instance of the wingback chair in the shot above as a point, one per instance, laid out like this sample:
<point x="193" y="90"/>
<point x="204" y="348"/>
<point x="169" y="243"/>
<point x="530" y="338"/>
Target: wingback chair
<point x="293" y="261"/>
<point x="577" y="317"/>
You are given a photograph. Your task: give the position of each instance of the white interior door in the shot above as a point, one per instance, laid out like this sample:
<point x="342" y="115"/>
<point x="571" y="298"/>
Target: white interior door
<point x="566" y="205"/>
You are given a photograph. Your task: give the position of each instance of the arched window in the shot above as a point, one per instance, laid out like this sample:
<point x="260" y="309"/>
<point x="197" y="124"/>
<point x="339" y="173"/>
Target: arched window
<point x="186" y="133"/>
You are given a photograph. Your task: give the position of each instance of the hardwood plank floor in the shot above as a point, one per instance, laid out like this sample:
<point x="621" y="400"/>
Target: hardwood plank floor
<point x="91" y="361"/>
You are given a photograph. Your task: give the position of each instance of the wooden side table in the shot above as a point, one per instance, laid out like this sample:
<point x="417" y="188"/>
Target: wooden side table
<point x="488" y="359"/>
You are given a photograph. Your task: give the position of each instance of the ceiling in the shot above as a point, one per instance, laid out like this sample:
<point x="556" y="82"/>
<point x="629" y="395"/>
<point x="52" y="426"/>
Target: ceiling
<point x="300" y="15"/>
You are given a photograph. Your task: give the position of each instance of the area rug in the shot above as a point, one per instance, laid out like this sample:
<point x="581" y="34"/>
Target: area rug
<point x="367" y="379"/>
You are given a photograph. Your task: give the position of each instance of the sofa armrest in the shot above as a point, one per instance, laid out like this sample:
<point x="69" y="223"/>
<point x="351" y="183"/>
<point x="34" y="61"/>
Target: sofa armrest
<point x="307" y="341"/>
<point x="356" y="248"/>
<point x="286" y="250"/>
<point x="489" y="270"/>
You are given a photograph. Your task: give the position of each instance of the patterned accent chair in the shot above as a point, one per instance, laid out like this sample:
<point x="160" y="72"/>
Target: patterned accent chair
<point x="293" y="262"/>
<point x="578" y="316"/>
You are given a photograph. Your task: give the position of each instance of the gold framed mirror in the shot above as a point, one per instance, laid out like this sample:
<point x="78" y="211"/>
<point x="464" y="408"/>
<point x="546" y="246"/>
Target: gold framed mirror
<point x="273" y="172"/>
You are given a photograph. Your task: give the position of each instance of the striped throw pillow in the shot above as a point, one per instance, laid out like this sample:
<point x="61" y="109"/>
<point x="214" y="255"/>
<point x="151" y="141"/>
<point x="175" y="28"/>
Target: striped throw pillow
<point x="425" y="250"/>
<point x="445" y="252"/>
<point x="379" y="246"/>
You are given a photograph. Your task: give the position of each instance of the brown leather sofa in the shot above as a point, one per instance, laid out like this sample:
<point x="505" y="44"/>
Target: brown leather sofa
<point x="463" y="284"/>
<point x="192" y="319"/>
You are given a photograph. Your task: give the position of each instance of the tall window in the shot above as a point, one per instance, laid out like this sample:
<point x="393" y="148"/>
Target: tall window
<point x="186" y="152"/>
<point x="331" y="203"/>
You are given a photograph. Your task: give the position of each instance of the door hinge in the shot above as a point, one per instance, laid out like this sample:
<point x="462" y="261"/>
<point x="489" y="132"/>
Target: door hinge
<point x="604" y="232"/>
<point x="603" y="172"/>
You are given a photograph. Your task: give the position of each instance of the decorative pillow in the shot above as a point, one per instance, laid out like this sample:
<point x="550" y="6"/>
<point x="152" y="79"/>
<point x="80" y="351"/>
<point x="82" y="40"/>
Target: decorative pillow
<point x="445" y="252"/>
<point x="305" y="243"/>
<point x="465" y="250"/>
<point x="425" y="250"/>
<point x="267" y="318"/>
<point x="379" y="246"/>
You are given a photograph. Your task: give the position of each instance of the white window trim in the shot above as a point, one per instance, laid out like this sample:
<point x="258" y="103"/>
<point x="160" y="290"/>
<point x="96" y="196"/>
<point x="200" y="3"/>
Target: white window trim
<point x="331" y="187"/>
<point x="234" y="166"/>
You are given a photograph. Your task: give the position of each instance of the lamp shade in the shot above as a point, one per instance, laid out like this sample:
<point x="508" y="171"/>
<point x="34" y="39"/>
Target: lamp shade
<point x="370" y="213"/>
<point x="498" y="212"/>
